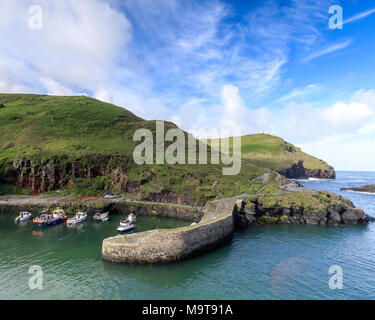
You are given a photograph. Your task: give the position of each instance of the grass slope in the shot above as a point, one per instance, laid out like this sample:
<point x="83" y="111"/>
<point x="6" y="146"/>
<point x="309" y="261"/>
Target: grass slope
<point x="40" y="127"/>
<point x="271" y="152"/>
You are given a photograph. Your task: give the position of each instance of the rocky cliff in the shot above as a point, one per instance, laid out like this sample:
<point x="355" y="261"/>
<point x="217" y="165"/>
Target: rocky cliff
<point x="274" y="153"/>
<point x="96" y="174"/>
<point x="298" y="171"/>
<point x="58" y="172"/>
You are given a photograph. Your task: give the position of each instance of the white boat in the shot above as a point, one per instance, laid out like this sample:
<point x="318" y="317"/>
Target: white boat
<point x="125" y="227"/>
<point x="101" y="216"/>
<point x="78" y="218"/>
<point x="127" y="224"/>
<point x="24" y="216"/>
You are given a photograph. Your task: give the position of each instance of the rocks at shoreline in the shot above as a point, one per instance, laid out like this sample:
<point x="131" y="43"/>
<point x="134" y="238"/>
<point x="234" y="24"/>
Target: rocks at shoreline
<point x="298" y="171"/>
<point x="316" y="208"/>
<point x="370" y="188"/>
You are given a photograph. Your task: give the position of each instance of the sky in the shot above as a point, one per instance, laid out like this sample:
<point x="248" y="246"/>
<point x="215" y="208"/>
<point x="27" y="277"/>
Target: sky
<point x="258" y="66"/>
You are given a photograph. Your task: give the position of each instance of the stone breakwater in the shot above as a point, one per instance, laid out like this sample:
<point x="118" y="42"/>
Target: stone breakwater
<point x="164" y="246"/>
<point x="222" y="217"/>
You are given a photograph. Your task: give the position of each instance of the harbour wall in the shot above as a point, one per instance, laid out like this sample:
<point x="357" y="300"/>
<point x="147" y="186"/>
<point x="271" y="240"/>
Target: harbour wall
<point x="139" y="208"/>
<point x="165" y="246"/>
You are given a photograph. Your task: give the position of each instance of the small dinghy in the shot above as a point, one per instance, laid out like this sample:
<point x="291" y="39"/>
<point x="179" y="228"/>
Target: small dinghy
<point x="127" y="224"/>
<point x="101" y="217"/>
<point x="24" y="216"/>
<point x="78" y="218"/>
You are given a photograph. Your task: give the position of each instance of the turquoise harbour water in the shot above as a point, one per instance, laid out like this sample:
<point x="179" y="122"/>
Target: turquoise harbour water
<point x="269" y="262"/>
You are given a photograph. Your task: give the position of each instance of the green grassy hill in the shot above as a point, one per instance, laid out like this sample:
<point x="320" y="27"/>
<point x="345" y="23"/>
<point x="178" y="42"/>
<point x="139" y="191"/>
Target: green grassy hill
<point x="271" y="152"/>
<point x="84" y="146"/>
<point x="38" y="126"/>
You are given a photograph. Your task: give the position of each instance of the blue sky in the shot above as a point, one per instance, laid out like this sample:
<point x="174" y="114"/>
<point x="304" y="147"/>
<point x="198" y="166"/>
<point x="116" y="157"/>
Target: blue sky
<point x="272" y="66"/>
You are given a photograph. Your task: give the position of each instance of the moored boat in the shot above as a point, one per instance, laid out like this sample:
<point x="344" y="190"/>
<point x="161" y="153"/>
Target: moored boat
<point x="101" y="217"/>
<point x="50" y="218"/>
<point x="127" y="224"/>
<point x="78" y="218"/>
<point x="24" y="216"/>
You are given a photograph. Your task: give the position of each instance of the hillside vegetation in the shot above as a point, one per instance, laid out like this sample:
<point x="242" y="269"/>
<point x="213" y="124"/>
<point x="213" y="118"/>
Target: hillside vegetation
<point x="84" y="146"/>
<point x="271" y="152"/>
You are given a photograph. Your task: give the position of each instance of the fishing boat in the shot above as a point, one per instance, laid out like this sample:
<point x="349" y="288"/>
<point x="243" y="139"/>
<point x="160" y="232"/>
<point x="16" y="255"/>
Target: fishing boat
<point x="101" y="217"/>
<point x="50" y="218"/>
<point x="24" y="216"/>
<point x="78" y="218"/>
<point x="127" y="224"/>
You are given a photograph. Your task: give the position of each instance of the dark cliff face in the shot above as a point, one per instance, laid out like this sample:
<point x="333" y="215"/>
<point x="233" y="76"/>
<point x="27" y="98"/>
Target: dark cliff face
<point x="53" y="174"/>
<point x="298" y="171"/>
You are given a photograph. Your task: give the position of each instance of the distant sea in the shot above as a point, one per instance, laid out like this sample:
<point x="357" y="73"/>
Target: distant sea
<point x="267" y="262"/>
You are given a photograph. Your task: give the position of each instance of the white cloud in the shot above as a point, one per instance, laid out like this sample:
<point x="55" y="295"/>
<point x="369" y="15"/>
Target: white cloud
<point x="79" y="45"/>
<point x="333" y="48"/>
<point x="304" y="122"/>
<point x="6" y="87"/>
<point x="298" y="92"/>
<point x="234" y="111"/>
<point x="344" y="152"/>
<point x="359" y="16"/>
<point x="183" y="50"/>
<point x="103" y="95"/>
<point x="347" y="115"/>
<point x="53" y="87"/>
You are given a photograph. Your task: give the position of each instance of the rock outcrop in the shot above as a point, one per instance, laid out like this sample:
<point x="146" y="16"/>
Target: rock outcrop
<point x="313" y="207"/>
<point x="369" y="188"/>
<point x="41" y="176"/>
<point x="298" y="171"/>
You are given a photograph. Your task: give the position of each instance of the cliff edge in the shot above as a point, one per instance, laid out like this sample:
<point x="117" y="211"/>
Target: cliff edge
<point x="273" y="153"/>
